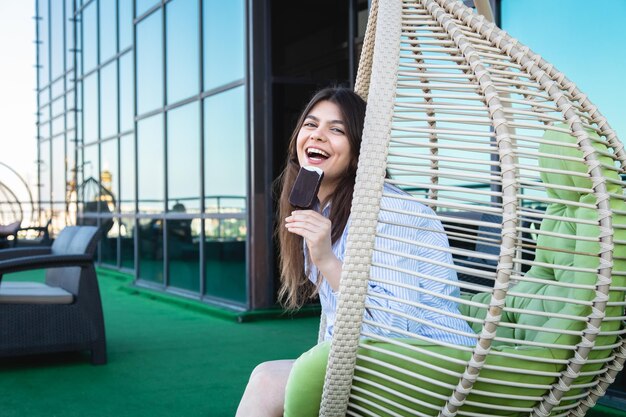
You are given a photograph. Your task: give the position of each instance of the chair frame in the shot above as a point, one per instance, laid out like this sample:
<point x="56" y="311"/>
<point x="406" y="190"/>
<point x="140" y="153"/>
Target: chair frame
<point x="29" y="328"/>
<point x="377" y="72"/>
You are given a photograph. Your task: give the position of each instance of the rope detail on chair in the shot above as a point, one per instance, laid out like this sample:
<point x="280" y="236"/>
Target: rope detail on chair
<point x="367" y="194"/>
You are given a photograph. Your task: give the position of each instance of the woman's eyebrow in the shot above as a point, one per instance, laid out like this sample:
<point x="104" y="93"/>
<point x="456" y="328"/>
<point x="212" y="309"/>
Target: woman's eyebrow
<point x="310" y="116"/>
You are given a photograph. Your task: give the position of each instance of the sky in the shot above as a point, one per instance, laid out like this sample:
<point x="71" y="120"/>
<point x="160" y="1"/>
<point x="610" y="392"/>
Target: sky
<point x="582" y="39"/>
<point x="17" y="93"/>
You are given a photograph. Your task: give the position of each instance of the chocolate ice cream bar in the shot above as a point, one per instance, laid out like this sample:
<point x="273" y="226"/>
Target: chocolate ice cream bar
<point x="304" y="192"/>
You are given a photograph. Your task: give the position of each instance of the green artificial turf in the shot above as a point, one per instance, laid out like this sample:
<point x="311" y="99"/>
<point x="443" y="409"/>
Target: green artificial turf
<point x="165" y="359"/>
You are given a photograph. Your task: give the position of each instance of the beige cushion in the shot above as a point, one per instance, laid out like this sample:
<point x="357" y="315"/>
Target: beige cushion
<point x="33" y="293"/>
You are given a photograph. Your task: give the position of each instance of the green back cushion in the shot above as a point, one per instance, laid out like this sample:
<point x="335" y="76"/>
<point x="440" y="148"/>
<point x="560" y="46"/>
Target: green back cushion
<point x="563" y="251"/>
<point x="305" y="384"/>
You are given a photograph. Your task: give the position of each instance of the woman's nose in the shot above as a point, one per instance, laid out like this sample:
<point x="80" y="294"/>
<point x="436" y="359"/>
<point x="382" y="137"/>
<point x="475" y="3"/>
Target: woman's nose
<point x="317" y="135"/>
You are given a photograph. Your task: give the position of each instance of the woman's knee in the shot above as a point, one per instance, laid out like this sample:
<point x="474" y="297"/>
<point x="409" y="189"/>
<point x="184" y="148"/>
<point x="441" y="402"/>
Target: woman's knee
<point x="271" y="374"/>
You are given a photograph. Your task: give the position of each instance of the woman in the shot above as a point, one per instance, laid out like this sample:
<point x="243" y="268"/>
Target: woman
<point x="328" y="136"/>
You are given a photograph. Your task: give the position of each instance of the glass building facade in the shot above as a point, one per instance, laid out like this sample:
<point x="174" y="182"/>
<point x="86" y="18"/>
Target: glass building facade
<point x="166" y="123"/>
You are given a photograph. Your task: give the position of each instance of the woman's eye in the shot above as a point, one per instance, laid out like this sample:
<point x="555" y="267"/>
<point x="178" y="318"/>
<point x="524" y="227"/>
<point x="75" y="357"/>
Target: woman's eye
<point x="309" y="124"/>
<point x="337" y="130"/>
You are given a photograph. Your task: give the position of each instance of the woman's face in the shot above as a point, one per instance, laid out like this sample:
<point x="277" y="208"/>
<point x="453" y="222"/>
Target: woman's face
<point x="323" y="142"/>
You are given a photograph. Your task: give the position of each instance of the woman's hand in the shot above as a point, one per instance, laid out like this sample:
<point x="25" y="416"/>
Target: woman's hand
<point x="316" y="229"/>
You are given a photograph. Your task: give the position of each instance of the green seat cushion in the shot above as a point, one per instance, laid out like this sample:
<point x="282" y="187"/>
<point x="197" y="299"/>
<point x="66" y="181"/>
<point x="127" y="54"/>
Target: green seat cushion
<point x="435" y="370"/>
<point x="429" y="371"/>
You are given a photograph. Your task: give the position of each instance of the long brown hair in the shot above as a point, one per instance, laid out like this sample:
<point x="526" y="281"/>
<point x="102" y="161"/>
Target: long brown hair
<point x="295" y="286"/>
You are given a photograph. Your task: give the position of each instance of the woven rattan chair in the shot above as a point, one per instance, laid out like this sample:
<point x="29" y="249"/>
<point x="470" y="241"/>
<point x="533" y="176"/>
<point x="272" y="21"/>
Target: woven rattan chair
<point x="468" y="120"/>
<point x="62" y="314"/>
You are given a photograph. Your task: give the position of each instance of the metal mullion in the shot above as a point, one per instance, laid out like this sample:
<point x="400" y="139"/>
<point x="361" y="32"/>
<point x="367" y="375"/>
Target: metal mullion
<point x="75" y="104"/>
<point x="222" y="88"/>
<point x="80" y="133"/>
<point x="135" y="156"/>
<point x="80" y="9"/>
<point x="50" y="174"/>
<point x="118" y="246"/>
<point x="38" y="69"/>
<point x="98" y="125"/>
<point x="65" y="111"/>
<point x="148" y="12"/>
<point x="202" y="286"/>
<point x="166" y="275"/>
<point x="105" y="63"/>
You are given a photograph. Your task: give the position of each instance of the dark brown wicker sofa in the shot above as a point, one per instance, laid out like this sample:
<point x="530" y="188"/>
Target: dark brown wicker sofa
<point x="62" y="314"/>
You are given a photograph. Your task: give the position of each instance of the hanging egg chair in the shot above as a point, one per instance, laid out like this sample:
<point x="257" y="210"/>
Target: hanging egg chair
<point x="525" y="175"/>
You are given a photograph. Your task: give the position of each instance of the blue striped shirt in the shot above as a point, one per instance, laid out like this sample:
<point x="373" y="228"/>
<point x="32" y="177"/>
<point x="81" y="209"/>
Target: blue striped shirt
<point x="425" y="271"/>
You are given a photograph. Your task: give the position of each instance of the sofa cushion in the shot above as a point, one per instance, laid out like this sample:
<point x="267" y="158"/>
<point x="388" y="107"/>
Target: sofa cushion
<point x="33" y="293"/>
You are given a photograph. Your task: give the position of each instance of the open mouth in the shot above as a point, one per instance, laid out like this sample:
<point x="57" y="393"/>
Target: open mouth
<point x="317" y="154"/>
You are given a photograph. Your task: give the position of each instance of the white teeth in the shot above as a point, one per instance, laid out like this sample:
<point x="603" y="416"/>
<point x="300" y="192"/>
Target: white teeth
<point x="317" y="151"/>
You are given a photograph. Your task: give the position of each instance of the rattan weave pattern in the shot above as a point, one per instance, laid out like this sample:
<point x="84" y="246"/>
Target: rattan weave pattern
<point x="28" y="328"/>
<point x="477" y="125"/>
<point x="364" y="214"/>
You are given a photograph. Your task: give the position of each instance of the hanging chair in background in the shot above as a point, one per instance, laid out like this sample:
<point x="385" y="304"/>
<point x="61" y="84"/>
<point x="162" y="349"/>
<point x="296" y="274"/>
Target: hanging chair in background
<point x="526" y="176"/>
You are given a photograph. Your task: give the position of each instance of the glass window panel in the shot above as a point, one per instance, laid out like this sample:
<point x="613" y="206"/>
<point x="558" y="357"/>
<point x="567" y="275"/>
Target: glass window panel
<point x="108" y="244"/>
<point x="44" y="115"/>
<point x="225" y="134"/>
<point x="224" y="41"/>
<point x="182" y="49"/>
<point x="58" y="125"/>
<point x="44" y="96"/>
<point x="149" y="64"/>
<point x="184" y="253"/>
<point x="79" y="44"/>
<point x="91" y="167"/>
<point x="70" y="109"/>
<point x="90" y="37"/>
<point x="151" y="173"/>
<point x="183" y="151"/>
<point x="151" y="250"/>
<point x="58" y="88"/>
<point x="88" y="190"/>
<point x="127" y="174"/>
<point x="44" y="171"/>
<point x="127" y="243"/>
<point x="58" y="107"/>
<point x="127" y="112"/>
<point x="69" y="34"/>
<point x="109" y="175"/>
<point x="56" y="21"/>
<point x="58" y="169"/>
<point x="70" y="164"/>
<point x="225" y="270"/>
<point x="108" y="27"/>
<point x="143" y="6"/>
<point x="90" y="107"/>
<point x="44" y="130"/>
<point x="108" y="100"/>
<point x="44" y="74"/>
<point x="126" y="24"/>
<point x="58" y="218"/>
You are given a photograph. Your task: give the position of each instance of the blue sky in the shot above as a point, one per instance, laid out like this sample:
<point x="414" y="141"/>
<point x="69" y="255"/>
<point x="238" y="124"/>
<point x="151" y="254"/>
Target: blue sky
<point x="583" y="39"/>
